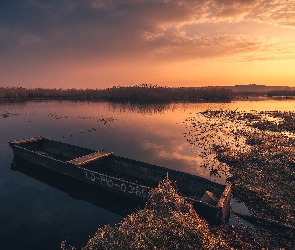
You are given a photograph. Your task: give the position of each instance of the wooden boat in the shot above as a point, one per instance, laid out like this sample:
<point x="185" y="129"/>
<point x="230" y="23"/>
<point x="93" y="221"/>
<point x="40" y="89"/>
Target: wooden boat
<point x="122" y="175"/>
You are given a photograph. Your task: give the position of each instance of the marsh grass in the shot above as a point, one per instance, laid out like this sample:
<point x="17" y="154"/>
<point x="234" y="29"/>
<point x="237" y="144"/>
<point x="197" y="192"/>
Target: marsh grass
<point x="166" y="222"/>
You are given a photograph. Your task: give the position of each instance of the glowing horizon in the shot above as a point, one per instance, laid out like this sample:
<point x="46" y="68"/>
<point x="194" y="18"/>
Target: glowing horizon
<point x="99" y="43"/>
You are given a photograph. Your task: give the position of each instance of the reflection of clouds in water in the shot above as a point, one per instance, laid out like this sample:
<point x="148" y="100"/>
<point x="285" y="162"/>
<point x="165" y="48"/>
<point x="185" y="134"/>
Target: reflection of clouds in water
<point x="213" y="130"/>
<point x="156" y="139"/>
<point x="176" y="155"/>
<point x="205" y="132"/>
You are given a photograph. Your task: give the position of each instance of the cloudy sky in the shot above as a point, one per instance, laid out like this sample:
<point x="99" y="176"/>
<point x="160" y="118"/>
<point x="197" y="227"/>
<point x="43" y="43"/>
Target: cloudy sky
<point x="102" y="43"/>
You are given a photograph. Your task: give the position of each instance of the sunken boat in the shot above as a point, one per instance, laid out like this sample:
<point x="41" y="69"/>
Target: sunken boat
<point x="120" y="175"/>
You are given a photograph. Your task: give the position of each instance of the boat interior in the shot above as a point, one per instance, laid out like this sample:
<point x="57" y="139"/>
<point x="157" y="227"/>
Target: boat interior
<point x="54" y="149"/>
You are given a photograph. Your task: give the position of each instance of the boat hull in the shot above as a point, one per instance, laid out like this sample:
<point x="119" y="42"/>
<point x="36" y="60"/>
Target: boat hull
<point x="121" y="175"/>
<point x="97" y="179"/>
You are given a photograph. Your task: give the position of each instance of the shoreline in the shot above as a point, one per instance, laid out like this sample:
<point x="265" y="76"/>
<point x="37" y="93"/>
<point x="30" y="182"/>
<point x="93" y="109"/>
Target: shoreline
<point x="239" y="98"/>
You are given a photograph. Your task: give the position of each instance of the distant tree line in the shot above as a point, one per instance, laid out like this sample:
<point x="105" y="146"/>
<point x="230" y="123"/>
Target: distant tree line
<point x="137" y="93"/>
<point x="281" y="93"/>
<point x="272" y="93"/>
<point x="19" y="93"/>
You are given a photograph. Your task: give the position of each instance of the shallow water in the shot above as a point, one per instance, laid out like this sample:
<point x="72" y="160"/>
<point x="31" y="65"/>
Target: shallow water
<point x="38" y="212"/>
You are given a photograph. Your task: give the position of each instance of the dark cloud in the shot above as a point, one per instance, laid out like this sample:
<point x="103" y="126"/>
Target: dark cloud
<point x="52" y="33"/>
<point x="106" y="28"/>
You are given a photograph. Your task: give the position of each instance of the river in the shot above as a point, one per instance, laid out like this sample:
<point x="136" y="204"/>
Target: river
<point x="38" y="214"/>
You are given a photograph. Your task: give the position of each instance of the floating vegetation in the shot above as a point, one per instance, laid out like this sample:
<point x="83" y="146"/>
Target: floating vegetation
<point x="258" y="148"/>
<point x="98" y="119"/>
<point x="210" y="129"/>
<point x="282" y="121"/>
<point x="7" y="114"/>
<point x="265" y="176"/>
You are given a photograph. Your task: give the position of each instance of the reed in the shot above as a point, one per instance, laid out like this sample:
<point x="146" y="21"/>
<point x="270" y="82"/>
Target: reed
<point x="138" y="93"/>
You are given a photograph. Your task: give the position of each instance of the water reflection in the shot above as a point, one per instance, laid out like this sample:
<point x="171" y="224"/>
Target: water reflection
<point x="79" y="190"/>
<point x="207" y="133"/>
<point x="144" y="109"/>
<point x="149" y="133"/>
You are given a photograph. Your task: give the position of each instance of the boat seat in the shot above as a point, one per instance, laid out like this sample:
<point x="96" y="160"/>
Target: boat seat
<point x="88" y="158"/>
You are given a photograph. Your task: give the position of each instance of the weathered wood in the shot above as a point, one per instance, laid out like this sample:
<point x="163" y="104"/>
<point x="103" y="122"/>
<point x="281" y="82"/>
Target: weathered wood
<point x="88" y="158"/>
<point x="209" y="198"/>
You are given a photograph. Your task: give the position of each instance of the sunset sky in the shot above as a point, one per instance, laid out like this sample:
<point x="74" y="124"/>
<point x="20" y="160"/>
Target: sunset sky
<point x="102" y="43"/>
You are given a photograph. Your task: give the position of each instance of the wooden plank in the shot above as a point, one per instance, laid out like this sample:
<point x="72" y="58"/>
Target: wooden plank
<point x="90" y="157"/>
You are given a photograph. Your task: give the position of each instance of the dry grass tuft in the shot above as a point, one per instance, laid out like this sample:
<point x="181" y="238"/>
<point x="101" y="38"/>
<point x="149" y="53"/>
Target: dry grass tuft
<point x="166" y="222"/>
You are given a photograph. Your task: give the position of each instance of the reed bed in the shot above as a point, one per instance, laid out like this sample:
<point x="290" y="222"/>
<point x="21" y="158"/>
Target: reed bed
<point x="142" y="93"/>
<point x="166" y="222"/>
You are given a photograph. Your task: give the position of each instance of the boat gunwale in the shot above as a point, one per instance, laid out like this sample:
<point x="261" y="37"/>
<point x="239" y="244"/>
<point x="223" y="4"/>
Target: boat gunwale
<point x="200" y="178"/>
<point x="225" y="195"/>
<point x="18" y="143"/>
<point x="42" y="155"/>
<point x="79" y="167"/>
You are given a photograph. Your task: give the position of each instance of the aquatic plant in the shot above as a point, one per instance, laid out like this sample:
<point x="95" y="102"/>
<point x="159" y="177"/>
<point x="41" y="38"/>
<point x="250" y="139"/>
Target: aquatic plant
<point x="258" y="148"/>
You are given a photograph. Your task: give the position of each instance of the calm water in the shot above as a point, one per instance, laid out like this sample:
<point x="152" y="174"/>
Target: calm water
<point x="37" y="212"/>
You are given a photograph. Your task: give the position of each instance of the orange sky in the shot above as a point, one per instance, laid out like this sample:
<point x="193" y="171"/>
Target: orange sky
<point x="101" y="43"/>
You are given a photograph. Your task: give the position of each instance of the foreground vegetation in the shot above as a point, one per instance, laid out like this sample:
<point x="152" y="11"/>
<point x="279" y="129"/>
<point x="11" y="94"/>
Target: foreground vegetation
<point x="169" y="222"/>
<point x="166" y="222"/>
